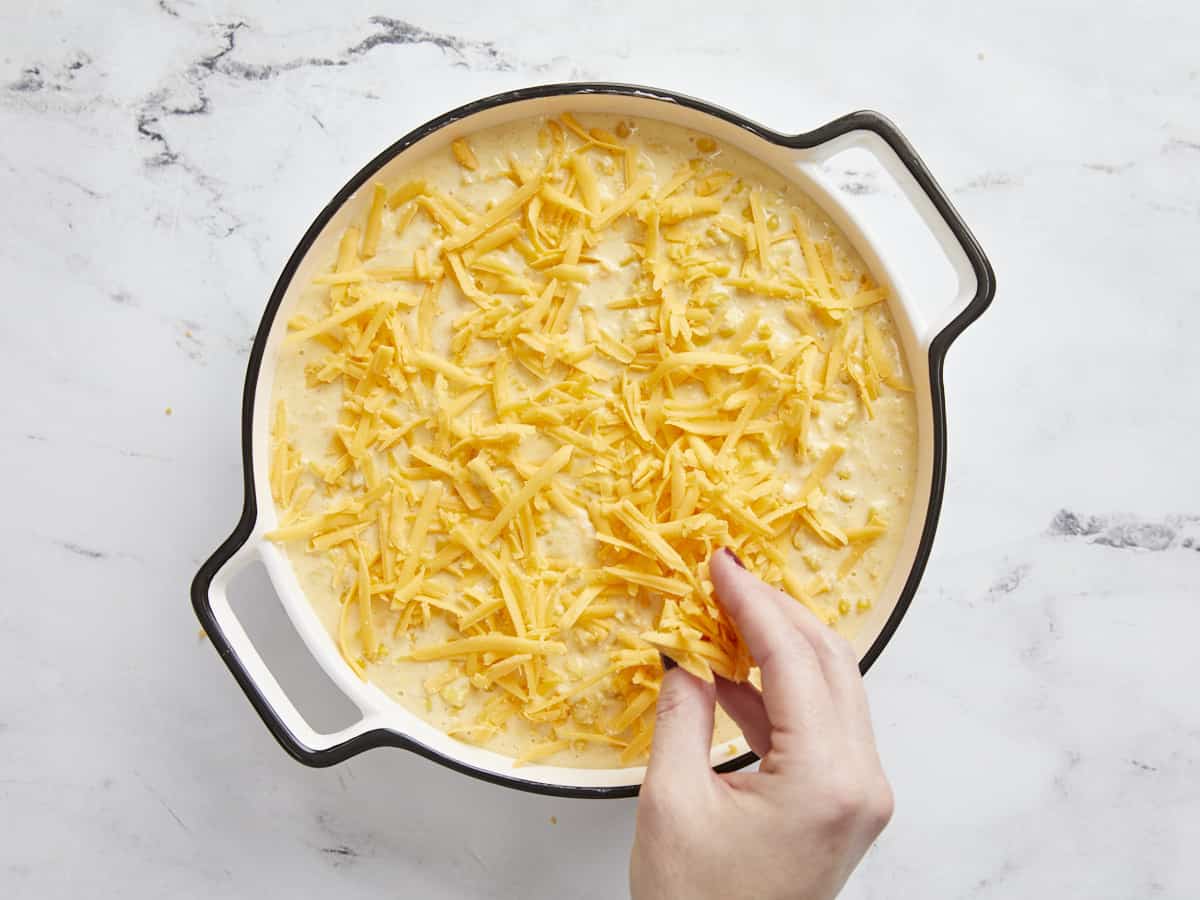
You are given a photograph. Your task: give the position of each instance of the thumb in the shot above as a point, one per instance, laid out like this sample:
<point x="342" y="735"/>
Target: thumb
<point x="683" y="729"/>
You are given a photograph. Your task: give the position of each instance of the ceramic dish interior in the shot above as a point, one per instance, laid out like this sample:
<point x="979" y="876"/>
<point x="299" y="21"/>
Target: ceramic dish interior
<point x="925" y="339"/>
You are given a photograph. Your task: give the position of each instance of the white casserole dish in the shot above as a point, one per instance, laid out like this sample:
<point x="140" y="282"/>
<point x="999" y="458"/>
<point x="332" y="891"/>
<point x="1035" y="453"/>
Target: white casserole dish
<point x="384" y="722"/>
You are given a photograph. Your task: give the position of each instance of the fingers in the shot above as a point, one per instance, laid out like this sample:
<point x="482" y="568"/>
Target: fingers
<point x="839" y="665"/>
<point x="794" y="689"/>
<point x="683" y="729"/>
<point x="744" y="704"/>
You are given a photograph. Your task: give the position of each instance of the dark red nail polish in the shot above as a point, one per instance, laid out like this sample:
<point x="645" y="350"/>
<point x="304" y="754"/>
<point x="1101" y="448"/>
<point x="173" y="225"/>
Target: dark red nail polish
<point x="734" y="557"/>
<point x="667" y="663"/>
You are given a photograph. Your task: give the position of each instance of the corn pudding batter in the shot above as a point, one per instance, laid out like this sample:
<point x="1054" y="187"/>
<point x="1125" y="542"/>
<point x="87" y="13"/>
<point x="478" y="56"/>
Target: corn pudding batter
<point x="554" y="367"/>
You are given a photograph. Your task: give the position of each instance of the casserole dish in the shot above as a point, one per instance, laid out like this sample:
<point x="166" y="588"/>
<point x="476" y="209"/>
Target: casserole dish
<point x="925" y="340"/>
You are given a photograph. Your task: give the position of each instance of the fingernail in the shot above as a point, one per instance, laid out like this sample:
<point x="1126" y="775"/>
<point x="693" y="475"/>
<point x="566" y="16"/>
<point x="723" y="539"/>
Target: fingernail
<point x="734" y="557"/>
<point x="667" y="663"/>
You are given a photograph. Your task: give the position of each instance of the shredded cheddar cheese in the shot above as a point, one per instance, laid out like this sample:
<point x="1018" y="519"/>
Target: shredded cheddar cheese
<point x="465" y="155"/>
<point x="535" y="449"/>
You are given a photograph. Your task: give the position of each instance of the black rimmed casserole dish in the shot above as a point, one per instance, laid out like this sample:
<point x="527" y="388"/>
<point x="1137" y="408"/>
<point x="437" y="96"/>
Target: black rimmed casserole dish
<point x="798" y="157"/>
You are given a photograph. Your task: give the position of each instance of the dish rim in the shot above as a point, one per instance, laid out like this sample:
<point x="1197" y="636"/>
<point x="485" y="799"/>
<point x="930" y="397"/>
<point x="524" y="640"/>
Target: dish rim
<point x="862" y="120"/>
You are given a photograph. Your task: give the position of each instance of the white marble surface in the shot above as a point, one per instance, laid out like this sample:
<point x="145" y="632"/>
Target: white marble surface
<point x="1037" y="711"/>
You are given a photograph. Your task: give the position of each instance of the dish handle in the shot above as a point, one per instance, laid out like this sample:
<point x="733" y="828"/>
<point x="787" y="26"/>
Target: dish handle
<point x="976" y="282"/>
<point x="285" y="721"/>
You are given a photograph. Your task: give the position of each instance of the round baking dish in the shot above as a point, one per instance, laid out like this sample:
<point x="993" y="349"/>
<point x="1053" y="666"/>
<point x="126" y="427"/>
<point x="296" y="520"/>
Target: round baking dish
<point x="798" y="157"/>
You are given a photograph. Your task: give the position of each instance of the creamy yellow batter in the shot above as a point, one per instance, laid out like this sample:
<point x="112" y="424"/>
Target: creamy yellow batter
<point x="710" y="257"/>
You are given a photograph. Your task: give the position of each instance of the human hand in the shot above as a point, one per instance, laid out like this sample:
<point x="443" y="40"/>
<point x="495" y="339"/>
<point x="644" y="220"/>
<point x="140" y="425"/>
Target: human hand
<point x="798" y="826"/>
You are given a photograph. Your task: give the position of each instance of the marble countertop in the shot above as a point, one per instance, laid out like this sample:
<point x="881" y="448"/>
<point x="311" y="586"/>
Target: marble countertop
<point x="1036" y="711"/>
